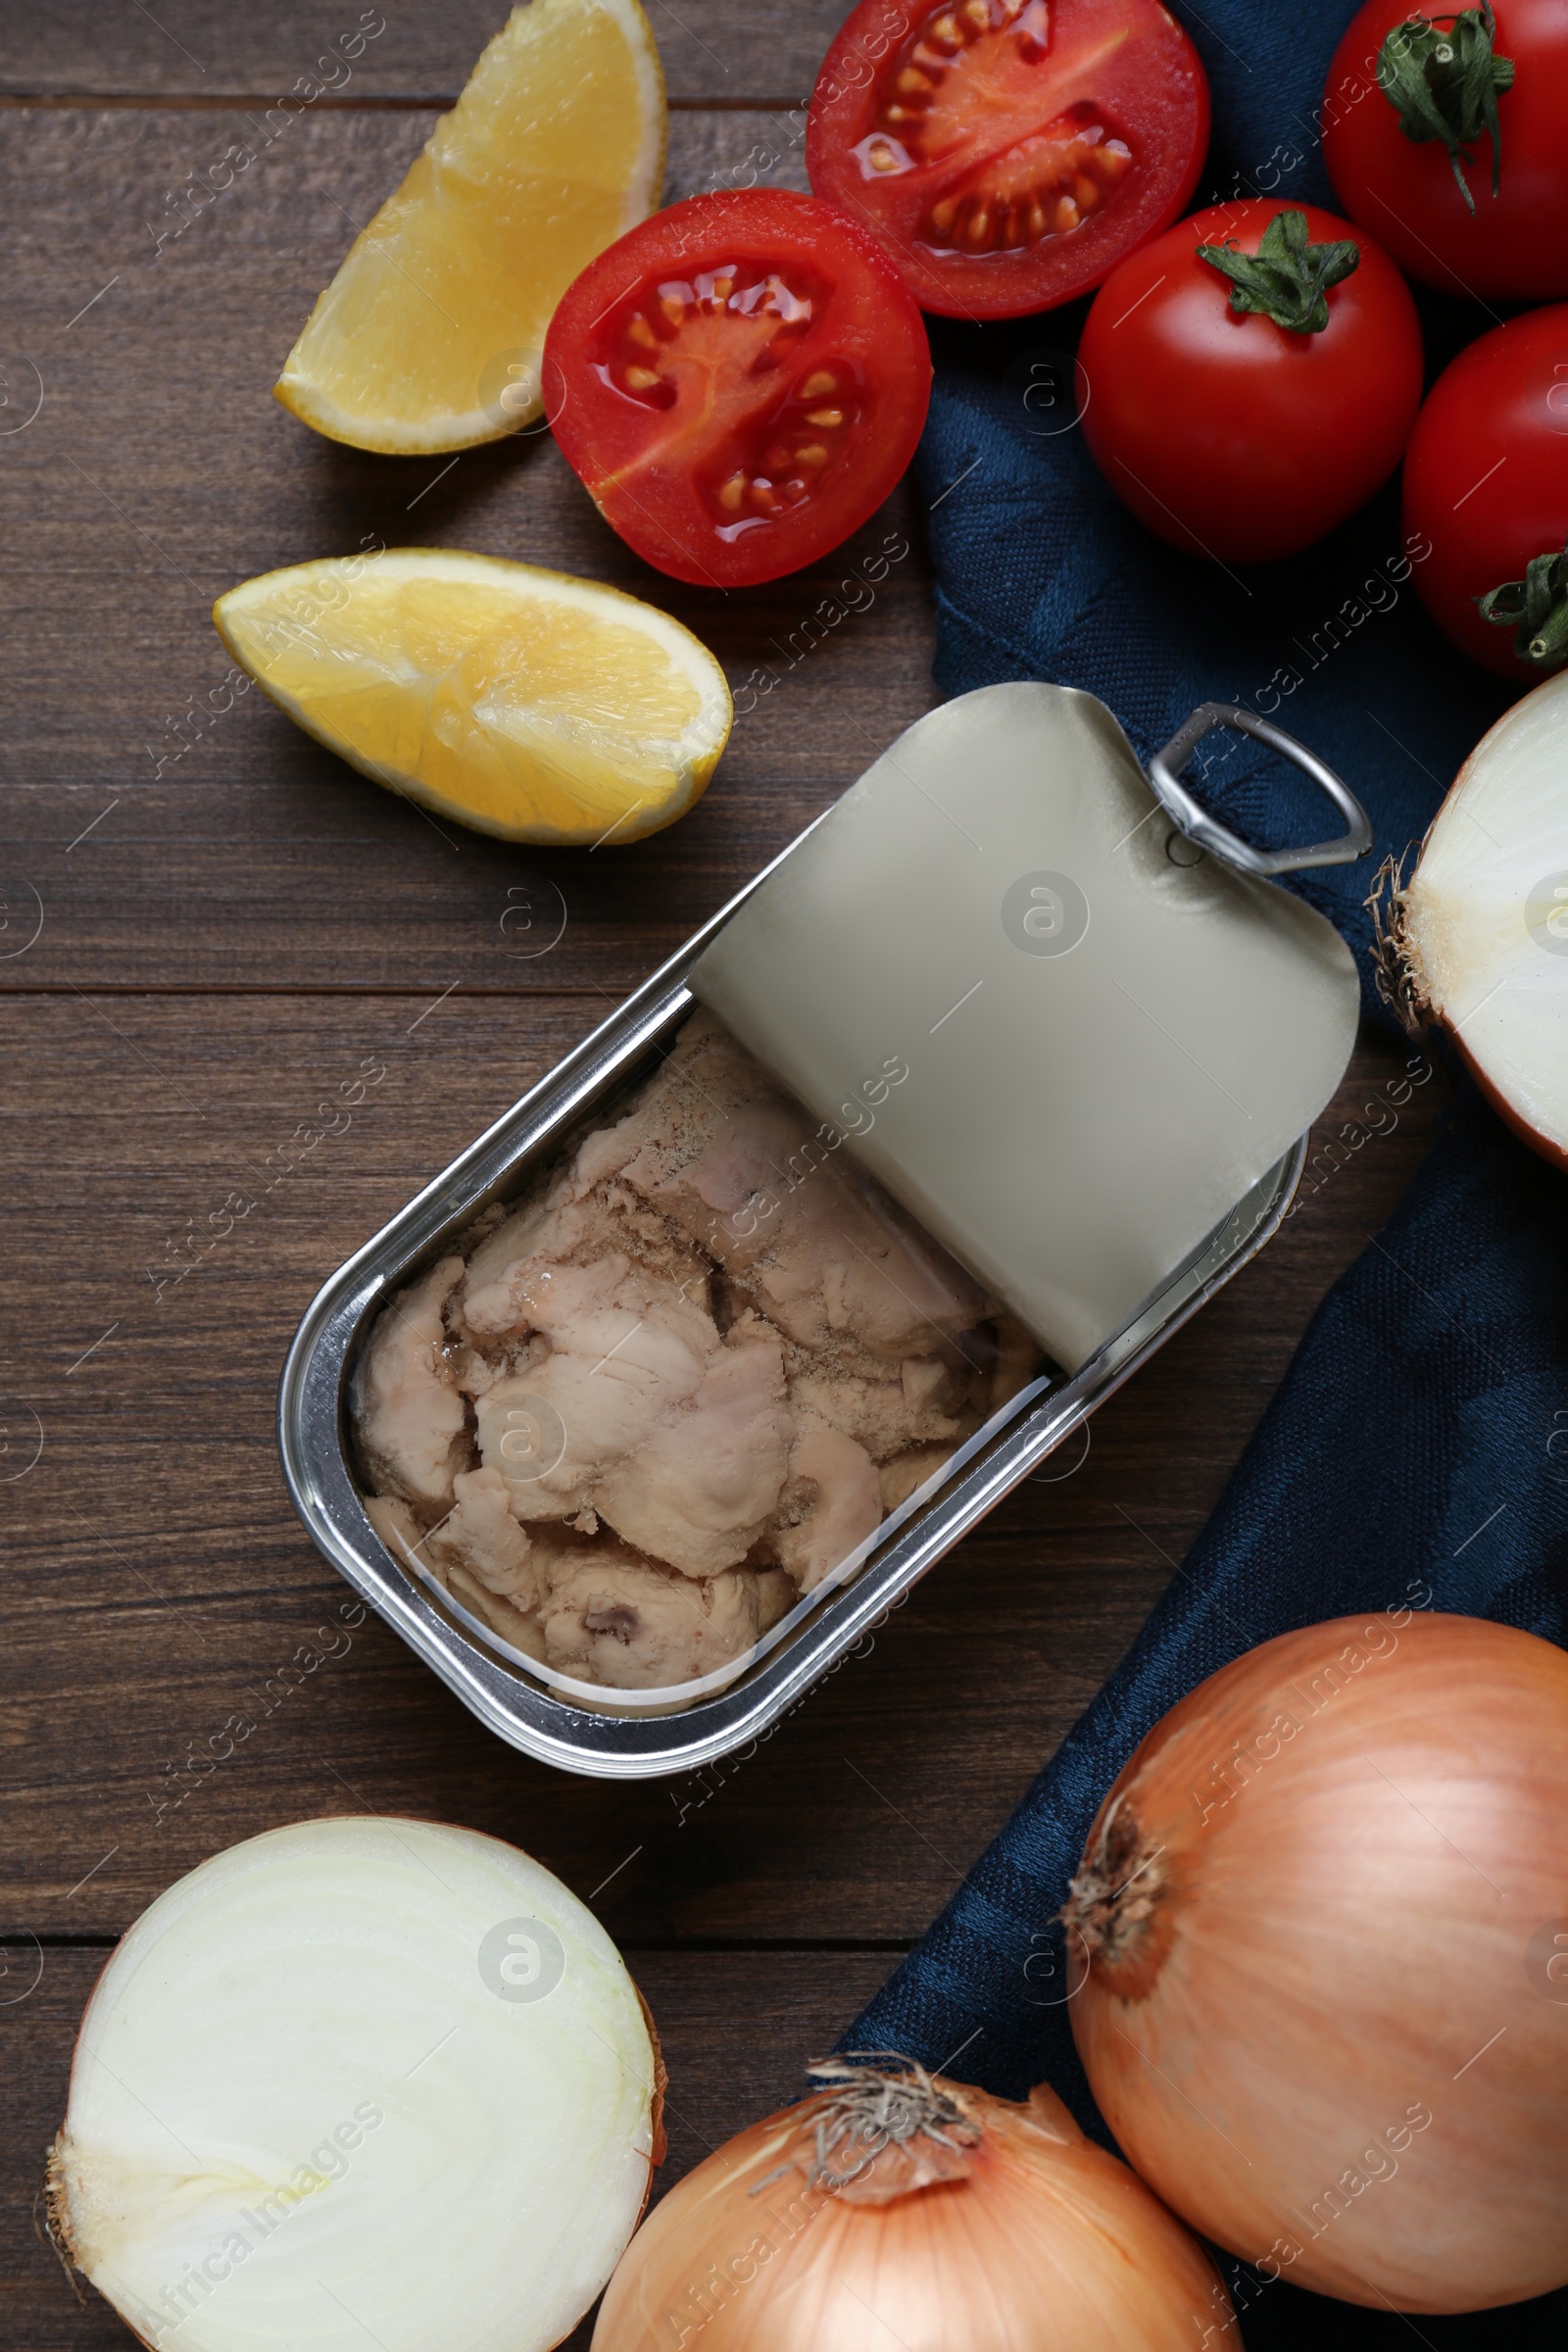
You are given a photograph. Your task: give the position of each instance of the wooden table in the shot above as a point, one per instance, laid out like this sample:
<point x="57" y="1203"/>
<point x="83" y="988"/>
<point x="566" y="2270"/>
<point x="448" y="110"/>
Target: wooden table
<point x="228" y="920"/>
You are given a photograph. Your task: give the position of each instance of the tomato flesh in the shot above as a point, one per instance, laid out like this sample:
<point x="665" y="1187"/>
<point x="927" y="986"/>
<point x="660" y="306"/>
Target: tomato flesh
<point x="968" y="101"/>
<point x="1008" y="152"/>
<point x="710" y="357"/>
<point x="1486" y="479"/>
<point x="740" y="382"/>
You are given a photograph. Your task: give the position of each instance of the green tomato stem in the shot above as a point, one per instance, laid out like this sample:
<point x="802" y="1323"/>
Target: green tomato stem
<point x="1536" y="608"/>
<point x="1286" y="279"/>
<point x="1445" y="85"/>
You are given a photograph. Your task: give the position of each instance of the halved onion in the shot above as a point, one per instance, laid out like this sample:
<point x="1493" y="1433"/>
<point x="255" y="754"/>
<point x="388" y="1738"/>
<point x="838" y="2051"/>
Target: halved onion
<point x="1325" y="1915"/>
<point x="896" y="2209"/>
<point x="1476" y="941"/>
<point x="358" y="2082"/>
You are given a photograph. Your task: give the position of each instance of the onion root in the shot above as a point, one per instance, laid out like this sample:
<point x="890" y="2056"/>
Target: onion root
<point x="1395" y="964"/>
<point x="1114" y="1898"/>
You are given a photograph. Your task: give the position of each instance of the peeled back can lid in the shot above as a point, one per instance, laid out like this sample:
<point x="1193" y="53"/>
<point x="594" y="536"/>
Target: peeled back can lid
<point x="1064" y="1034"/>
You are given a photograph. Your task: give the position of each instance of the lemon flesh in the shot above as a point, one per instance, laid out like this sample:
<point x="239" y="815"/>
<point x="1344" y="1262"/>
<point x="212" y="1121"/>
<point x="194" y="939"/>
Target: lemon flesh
<point x="520" y="702"/>
<point x="429" y="337"/>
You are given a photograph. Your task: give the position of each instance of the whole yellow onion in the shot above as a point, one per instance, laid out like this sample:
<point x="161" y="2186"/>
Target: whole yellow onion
<point x="896" y="2208"/>
<point x="1324" y="1917"/>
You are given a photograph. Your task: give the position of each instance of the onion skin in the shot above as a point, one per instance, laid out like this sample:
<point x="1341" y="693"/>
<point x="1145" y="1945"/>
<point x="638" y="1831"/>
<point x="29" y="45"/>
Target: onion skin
<point x="1049" y="2245"/>
<point x="1317" y="2021"/>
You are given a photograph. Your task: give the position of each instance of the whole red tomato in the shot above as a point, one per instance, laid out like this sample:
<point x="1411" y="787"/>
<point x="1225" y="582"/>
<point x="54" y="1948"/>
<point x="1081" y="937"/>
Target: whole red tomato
<point x="1445" y="225"/>
<point x="1486" y="480"/>
<point x="1227" y="433"/>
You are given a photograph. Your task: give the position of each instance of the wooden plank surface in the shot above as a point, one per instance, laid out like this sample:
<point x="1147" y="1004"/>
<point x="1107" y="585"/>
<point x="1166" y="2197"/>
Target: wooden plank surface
<point x="716" y="53"/>
<point x="200" y="940"/>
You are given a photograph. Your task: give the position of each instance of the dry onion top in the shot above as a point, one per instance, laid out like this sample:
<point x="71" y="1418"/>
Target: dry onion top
<point x="893" y="2206"/>
<point x="870" y="2113"/>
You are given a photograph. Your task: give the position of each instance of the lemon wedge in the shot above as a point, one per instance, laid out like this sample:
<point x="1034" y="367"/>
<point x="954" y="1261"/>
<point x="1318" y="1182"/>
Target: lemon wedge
<point x="430" y="336"/>
<point x="520" y="702"/>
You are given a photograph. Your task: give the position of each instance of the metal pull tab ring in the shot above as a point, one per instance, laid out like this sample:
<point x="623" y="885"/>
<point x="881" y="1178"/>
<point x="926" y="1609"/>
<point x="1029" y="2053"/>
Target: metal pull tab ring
<point x="1164" y="774"/>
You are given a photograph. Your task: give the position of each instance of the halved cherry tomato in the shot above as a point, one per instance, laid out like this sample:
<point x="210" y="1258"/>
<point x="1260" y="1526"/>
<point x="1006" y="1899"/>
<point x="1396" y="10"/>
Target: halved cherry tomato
<point x="1512" y="244"/>
<point x="1008" y="153"/>
<point x="1227" y="433"/>
<point x="1486" y="482"/>
<point x="740" y="381"/>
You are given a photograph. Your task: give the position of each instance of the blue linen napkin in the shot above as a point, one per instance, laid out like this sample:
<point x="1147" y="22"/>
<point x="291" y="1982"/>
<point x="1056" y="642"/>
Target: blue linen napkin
<point x="1417" y="1451"/>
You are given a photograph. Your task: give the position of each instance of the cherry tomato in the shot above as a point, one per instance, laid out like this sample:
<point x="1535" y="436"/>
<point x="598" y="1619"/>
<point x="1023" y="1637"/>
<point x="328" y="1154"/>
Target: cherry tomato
<point x="1008" y="152"/>
<point x="1514" y="243"/>
<point x="1486" y="479"/>
<point x="1232" y="436"/>
<point x="739" y="381"/>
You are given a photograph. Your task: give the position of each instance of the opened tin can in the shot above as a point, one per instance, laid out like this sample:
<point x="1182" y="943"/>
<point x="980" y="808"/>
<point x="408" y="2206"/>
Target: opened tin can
<point x="1085" y="764"/>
